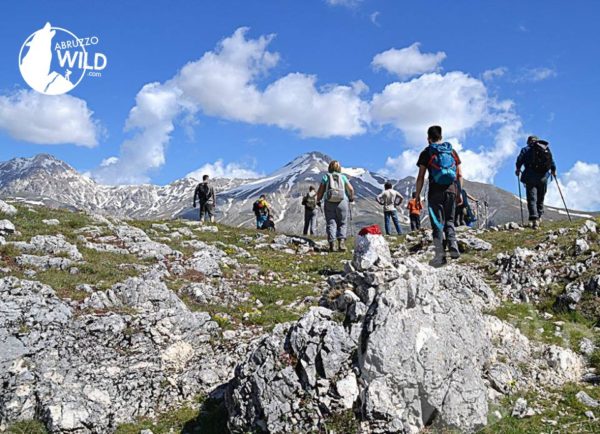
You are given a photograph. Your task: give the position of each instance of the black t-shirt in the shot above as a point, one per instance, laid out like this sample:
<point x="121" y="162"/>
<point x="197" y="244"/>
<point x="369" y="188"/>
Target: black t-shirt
<point x="433" y="187"/>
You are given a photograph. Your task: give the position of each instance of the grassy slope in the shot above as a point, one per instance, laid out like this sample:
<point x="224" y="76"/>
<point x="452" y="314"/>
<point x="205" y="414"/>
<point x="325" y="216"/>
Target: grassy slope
<point x="280" y="273"/>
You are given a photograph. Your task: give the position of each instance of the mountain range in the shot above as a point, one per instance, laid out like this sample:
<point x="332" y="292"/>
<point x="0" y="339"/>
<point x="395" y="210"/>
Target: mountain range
<point x="45" y="179"/>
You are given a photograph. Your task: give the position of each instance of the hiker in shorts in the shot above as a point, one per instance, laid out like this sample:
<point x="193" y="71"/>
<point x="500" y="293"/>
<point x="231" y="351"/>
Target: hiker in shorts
<point x="414" y="211"/>
<point x="205" y="194"/>
<point x="337" y="192"/>
<point x="390" y="199"/>
<point x="445" y="178"/>
<point x="309" y="201"/>
<point x="539" y="165"/>
<point x="262" y="211"/>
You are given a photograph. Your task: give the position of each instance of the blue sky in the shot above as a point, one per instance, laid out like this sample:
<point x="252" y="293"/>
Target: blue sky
<point x="491" y="72"/>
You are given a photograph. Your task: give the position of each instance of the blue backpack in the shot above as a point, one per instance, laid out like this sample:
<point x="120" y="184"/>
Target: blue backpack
<point x="442" y="164"/>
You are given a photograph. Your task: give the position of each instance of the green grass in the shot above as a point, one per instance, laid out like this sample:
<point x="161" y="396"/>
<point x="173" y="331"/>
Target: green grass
<point x="28" y="222"/>
<point x="528" y="317"/>
<point x="269" y="315"/>
<point x="225" y="234"/>
<point x="99" y="269"/>
<point x="533" y="325"/>
<point x="342" y="423"/>
<point x="560" y="406"/>
<point x="204" y="416"/>
<point x="27" y="427"/>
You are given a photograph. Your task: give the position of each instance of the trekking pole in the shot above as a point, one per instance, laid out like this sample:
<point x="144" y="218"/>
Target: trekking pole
<point x="487" y="214"/>
<point x="521" y="201"/>
<point x="351" y="219"/>
<point x="562" y="197"/>
<point x="324" y="222"/>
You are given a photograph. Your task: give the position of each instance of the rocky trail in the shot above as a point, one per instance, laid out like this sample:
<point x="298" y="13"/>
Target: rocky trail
<point x="109" y="325"/>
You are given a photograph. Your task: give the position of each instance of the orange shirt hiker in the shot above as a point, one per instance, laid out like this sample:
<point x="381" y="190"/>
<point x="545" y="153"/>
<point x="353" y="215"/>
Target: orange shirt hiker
<point x="414" y="207"/>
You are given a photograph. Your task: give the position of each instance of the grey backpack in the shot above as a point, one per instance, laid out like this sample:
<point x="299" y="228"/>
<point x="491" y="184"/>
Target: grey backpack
<point x="335" y="188"/>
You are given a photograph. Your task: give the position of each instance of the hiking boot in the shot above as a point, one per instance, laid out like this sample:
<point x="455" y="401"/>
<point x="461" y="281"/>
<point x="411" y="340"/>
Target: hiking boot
<point x="342" y="245"/>
<point x="438" y="261"/>
<point x="331" y="247"/>
<point x="535" y="224"/>
<point x="454" y="252"/>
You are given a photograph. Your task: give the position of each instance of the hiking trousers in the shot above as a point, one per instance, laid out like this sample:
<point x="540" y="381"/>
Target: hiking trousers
<point x="442" y="206"/>
<point x="261" y="220"/>
<point x="310" y="221"/>
<point x="207" y="211"/>
<point x="415" y="222"/>
<point x="459" y="216"/>
<point x="536" y="192"/>
<point x="336" y="215"/>
<point x="393" y="216"/>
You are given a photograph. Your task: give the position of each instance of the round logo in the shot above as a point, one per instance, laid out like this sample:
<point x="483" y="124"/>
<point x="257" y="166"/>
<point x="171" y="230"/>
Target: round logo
<point x="54" y="60"/>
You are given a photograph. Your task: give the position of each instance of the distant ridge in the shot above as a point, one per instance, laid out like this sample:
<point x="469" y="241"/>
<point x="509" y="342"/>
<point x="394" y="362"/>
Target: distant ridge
<point x="52" y="181"/>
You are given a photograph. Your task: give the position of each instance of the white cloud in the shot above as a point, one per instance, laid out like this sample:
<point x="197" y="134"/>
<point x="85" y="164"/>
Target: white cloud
<point x="401" y="166"/>
<point x="408" y="62"/>
<point x="223" y="83"/>
<point x="109" y="161"/>
<point x="579" y="186"/>
<point x="374" y="18"/>
<point x="477" y="165"/>
<point x="220" y="170"/>
<point x="48" y="120"/>
<point x="152" y="119"/>
<point x="492" y="74"/>
<point x="537" y="74"/>
<point x="483" y="164"/>
<point x="347" y="3"/>
<point x="455" y="100"/>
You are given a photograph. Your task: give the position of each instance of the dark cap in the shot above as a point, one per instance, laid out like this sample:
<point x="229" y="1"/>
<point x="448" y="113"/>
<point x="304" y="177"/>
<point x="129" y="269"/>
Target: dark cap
<point x="532" y="139"/>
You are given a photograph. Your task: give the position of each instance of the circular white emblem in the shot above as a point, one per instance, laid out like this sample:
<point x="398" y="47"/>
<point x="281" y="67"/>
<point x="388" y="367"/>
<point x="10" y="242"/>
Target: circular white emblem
<point x="53" y="60"/>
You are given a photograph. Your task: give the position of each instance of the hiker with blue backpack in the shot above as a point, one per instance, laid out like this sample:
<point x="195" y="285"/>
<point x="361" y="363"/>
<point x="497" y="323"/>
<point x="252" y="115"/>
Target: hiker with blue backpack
<point x="539" y="165"/>
<point x="445" y="180"/>
<point x="337" y="192"/>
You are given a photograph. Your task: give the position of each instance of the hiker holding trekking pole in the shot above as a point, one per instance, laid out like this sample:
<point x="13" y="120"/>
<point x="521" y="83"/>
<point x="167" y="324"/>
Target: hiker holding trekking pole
<point x="337" y="192"/>
<point x="539" y="164"/>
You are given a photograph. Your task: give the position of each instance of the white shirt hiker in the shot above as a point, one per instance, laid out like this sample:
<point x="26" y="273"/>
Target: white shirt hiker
<point x="390" y="199"/>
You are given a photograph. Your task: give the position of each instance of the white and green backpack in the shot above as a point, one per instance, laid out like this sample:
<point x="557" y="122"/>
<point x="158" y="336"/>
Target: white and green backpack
<point x="335" y="188"/>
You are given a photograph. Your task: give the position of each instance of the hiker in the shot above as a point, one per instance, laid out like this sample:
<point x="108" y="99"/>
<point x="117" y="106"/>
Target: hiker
<point x="390" y="199"/>
<point x="414" y="211"/>
<point x="262" y="210"/>
<point x="205" y="193"/>
<point x="337" y="192"/>
<point x="309" y="201"/>
<point x="464" y="213"/>
<point x="539" y="163"/>
<point x="445" y="177"/>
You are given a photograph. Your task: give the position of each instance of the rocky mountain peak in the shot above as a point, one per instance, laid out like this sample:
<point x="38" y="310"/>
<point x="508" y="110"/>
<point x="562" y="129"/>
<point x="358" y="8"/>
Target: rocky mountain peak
<point x="24" y="167"/>
<point x="48" y="179"/>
